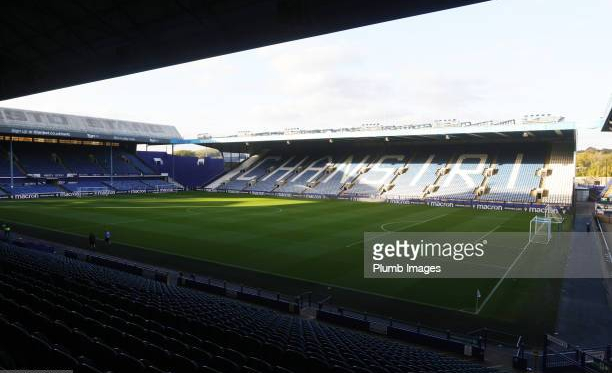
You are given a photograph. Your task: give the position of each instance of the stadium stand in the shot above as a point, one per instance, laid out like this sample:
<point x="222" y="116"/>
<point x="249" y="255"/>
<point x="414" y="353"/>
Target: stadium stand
<point x="76" y="186"/>
<point x="282" y="174"/>
<point x="463" y="175"/>
<point x="517" y="174"/>
<point x="32" y="189"/>
<point x="5" y="166"/>
<point x="160" y="184"/>
<point x="58" y="159"/>
<point x="378" y="174"/>
<point x="421" y="173"/>
<point x="83" y="160"/>
<point x="135" y="162"/>
<point x="516" y="177"/>
<point x="102" y="184"/>
<point x="128" y="185"/>
<point x="559" y="182"/>
<point x="299" y="183"/>
<point x="53" y="169"/>
<point x="94" y="160"/>
<point x="342" y="170"/>
<point x="259" y="171"/>
<point x="77" y="315"/>
<point x="122" y="164"/>
<point x="188" y="171"/>
<point x="41" y="163"/>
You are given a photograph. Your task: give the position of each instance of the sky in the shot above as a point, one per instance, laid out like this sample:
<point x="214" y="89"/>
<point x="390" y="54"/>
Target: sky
<point x="492" y="61"/>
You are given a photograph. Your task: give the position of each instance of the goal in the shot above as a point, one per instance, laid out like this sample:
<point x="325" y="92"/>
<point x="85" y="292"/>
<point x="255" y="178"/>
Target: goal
<point x="553" y="214"/>
<point x="167" y="188"/>
<point x="92" y="191"/>
<point x="540" y="230"/>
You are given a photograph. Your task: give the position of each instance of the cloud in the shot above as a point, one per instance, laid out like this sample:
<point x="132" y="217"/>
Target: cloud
<point x="335" y="85"/>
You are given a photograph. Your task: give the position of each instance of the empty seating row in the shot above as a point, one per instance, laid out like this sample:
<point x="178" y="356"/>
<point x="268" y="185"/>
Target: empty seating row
<point x="380" y="173"/>
<point x="5" y="165"/>
<point x="90" y="186"/>
<point x="516" y="177"/>
<point x="56" y="159"/>
<point x="507" y="174"/>
<point x="65" y="314"/>
<point x="463" y="176"/>
<point x="160" y="184"/>
<point x="31" y="189"/>
<point x="127" y="185"/>
<point x="84" y="185"/>
<point x="421" y="172"/>
<point x="560" y="183"/>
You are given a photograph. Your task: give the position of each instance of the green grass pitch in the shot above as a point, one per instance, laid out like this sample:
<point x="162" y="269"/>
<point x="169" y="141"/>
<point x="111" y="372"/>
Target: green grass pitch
<point x="313" y="240"/>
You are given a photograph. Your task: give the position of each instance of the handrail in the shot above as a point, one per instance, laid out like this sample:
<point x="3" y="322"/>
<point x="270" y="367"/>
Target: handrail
<point x="489" y="335"/>
<point x="603" y="236"/>
<point x="321" y="303"/>
<point x="520" y="348"/>
<point x="400" y="324"/>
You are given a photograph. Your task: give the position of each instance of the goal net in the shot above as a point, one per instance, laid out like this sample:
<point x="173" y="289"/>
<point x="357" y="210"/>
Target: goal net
<point x="540" y="230"/>
<point x="92" y="191"/>
<point x="166" y="188"/>
<point x="554" y="215"/>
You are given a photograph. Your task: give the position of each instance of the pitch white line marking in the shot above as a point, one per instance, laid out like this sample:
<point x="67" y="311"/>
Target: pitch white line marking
<point x="382" y="226"/>
<point x="408" y="226"/>
<point x="486" y="300"/>
<point x="488" y="233"/>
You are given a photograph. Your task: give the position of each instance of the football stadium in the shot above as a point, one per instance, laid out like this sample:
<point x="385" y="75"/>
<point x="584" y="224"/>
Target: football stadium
<point x="255" y="257"/>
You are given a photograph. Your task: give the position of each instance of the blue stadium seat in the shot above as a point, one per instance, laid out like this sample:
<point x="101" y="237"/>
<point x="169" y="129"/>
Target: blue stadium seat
<point x="97" y="310"/>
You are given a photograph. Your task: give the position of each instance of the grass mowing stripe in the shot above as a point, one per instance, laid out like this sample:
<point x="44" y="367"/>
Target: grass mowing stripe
<point x="310" y="240"/>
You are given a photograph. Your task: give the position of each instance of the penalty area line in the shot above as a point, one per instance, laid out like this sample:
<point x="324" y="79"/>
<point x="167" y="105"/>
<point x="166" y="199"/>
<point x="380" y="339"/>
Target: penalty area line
<point x="488" y="297"/>
<point x="488" y="233"/>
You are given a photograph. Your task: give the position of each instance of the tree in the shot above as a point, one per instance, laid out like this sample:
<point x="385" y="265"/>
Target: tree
<point x="594" y="162"/>
<point x="185" y="153"/>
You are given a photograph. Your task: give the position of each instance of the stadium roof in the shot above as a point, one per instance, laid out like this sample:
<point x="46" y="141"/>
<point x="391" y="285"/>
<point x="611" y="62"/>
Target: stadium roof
<point x="48" y="45"/>
<point x="41" y="124"/>
<point x="485" y="133"/>
<point x="607" y="123"/>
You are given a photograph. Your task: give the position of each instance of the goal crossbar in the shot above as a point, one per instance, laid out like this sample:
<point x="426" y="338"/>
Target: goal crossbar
<point x="86" y="191"/>
<point x="540" y="230"/>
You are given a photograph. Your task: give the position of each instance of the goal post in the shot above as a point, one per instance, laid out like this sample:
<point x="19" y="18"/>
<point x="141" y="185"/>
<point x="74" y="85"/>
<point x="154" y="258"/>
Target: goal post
<point x="92" y="191"/>
<point x="166" y="188"/>
<point x="554" y="215"/>
<point x="540" y="230"/>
